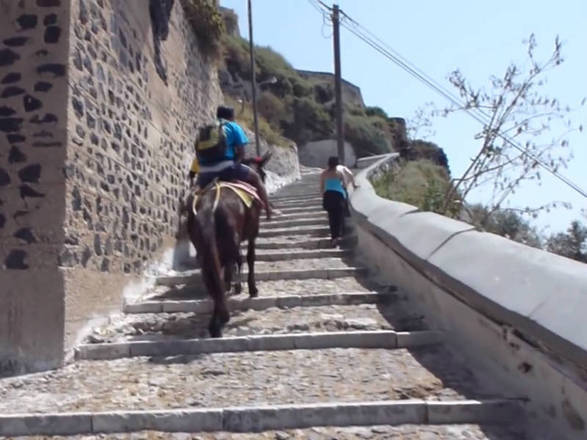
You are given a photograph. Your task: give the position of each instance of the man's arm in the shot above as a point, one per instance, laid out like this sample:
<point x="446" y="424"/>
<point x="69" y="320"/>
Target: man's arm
<point x="239" y="153"/>
<point x="322" y="183"/>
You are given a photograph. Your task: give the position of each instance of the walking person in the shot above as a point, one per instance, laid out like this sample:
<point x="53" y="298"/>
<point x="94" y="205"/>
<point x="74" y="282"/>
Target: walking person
<point x="333" y="198"/>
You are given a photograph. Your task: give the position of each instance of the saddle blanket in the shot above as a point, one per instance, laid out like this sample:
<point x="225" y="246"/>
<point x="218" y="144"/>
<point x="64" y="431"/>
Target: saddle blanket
<point x="246" y="192"/>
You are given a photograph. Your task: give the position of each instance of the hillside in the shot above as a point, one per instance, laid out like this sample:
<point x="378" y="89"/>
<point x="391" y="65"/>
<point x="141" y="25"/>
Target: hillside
<point x="298" y="106"/>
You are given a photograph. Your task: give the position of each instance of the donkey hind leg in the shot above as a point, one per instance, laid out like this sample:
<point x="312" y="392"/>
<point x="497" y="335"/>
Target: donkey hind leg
<point x="251" y="263"/>
<point x="220" y="317"/>
<point x="238" y="286"/>
<point x="228" y="273"/>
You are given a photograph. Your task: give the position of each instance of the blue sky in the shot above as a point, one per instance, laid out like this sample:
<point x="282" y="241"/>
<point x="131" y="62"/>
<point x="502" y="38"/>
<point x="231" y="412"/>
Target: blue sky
<point x="479" y="38"/>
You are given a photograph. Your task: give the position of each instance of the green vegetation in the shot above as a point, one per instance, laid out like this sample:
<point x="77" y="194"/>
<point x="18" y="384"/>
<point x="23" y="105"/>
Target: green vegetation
<point x="420" y="183"/>
<point x="207" y="23"/>
<point x="504" y="222"/>
<point x="570" y="244"/>
<point x="367" y="134"/>
<point x="425" y="185"/>
<point x="301" y="109"/>
<point x="244" y="115"/>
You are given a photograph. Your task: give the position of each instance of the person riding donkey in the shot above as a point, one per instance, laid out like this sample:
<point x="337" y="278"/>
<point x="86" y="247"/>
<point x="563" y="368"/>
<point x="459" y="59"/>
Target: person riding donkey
<point x="220" y="150"/>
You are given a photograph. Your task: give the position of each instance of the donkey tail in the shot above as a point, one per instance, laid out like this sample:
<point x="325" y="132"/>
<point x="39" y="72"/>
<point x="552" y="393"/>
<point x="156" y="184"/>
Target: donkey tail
<point x="208" y="255"/>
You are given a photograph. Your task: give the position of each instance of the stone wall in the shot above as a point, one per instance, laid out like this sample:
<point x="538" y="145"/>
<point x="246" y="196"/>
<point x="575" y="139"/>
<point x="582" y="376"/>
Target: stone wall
<point x="350" y="92"/>
<point x="316" y="154"/>
<point x="96" y="133"/>
<point x="132" y="120"/>
<point x="33" y="143"/>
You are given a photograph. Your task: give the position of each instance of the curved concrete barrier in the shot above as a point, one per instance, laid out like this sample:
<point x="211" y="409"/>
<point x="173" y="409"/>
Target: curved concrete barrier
<point x="533" y="301"/>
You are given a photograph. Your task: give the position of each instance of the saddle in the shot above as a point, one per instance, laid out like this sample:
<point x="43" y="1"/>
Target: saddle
<point x="246" y="192"/>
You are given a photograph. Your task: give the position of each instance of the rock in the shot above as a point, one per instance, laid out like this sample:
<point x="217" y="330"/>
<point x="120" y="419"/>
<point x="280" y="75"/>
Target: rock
<point x="331" y="317"/>
<point x="361" y="323"/>
<point x="299" y="327"/>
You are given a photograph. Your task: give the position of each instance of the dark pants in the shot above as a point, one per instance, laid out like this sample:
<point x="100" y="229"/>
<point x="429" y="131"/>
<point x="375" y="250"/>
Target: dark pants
<point x="334" y="203"/>
<point x="237" y="171"/>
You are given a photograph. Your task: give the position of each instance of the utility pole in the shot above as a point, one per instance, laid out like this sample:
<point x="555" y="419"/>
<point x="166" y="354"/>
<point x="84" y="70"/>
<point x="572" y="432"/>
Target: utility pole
<point x="253" y="79"/>
<point x="337" y="84"/>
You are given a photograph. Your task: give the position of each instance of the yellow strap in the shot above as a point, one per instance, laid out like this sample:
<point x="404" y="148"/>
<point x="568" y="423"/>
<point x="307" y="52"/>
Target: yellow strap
<point x="245" y="197"/>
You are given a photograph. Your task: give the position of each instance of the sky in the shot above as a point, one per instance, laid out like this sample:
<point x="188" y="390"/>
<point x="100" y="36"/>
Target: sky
<point x="478" y="38"/>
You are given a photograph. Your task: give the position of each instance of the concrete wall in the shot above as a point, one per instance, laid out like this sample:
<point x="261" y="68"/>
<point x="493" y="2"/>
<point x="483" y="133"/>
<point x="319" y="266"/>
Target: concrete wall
<point x="350" y="92"/>
<point x="96" y="124"/>
<point x="515" y="312"/>
<point x="316" y="154"/>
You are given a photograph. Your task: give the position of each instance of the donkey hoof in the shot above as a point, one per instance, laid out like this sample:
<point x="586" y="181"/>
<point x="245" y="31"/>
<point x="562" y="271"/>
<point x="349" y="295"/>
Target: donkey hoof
<point x="253" y="293"/>
<point x="215" y="332"/>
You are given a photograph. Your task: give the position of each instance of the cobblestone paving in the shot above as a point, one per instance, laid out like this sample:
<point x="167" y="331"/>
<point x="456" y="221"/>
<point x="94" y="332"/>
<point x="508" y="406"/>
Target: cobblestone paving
<point x="405" y="432"/>
<point x="310" y="286"/>
<point x="272" y="377"/>
<point x="242" y="379"/>
<point x="306" y="263"/>
<point x="158" y="326"/>
<point x="297" y="238"/>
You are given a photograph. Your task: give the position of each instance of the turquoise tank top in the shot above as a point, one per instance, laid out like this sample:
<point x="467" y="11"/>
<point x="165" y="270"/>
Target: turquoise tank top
<point x="334" y="184"/>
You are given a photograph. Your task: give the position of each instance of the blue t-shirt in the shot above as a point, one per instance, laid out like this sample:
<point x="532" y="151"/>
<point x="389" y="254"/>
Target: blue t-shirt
<point x="235" y="136"/>
<point x="334" y="184"/>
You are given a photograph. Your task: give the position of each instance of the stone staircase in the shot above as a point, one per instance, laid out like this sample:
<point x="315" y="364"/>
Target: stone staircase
<point x="324" y="352"/>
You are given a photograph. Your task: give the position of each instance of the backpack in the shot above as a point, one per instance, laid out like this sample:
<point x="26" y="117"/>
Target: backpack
<point x="211" y="143"/>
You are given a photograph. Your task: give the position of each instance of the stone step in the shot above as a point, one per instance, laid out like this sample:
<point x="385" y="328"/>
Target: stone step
<point x="316" y="203"/>
<point x="193" y="277"/>
<point x="294" y="197"/>
<point x="261" y="303"/>
<point x="301" y="193"/>
<point x="301" y="287"/>
<point x="278" y="223"/>
<point x="248" y="378"/>
<point x="301" y="241"/>
<point x="380" y="314"/>
<point x="266" y="255"/>
<point x="304" y="193"/>
<point x="320" y="215"/>
<point x="311" y="231"/>
<point x="378" y="339"/>
<point x="301" y="254"/>
<point x="415" y="417"/>
<point x="302" y="209"/>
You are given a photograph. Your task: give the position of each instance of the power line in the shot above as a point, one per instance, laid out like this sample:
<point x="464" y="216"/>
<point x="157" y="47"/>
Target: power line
<point x="316" y="6"/>
<point x="325" y="19"/>
<point x="483" y="118"/>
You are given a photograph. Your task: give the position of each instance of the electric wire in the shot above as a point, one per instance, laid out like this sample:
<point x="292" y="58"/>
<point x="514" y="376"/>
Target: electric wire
<point x="480" y="116"/>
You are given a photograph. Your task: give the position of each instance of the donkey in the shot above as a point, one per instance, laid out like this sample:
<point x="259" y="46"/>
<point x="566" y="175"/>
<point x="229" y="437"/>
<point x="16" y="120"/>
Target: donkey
<point x="218" y="222"/>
